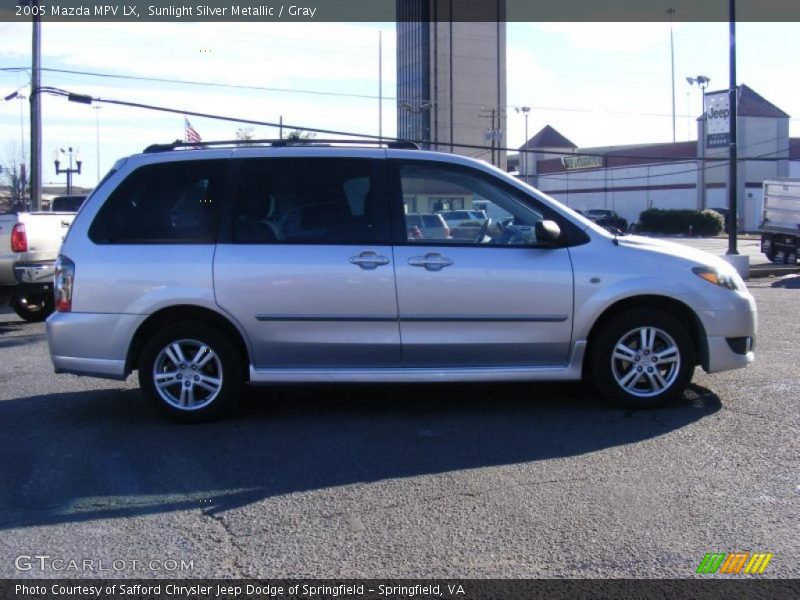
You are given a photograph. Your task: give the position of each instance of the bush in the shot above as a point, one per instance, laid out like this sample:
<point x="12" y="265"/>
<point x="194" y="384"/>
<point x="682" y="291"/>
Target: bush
<point x="686" y="222"/>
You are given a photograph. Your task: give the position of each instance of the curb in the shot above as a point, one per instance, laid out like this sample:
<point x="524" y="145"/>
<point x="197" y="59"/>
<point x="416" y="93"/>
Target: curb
<point x="768" y="270"/>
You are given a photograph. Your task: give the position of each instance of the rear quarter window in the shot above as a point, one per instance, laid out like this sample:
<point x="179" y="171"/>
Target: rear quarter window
<point x="175" y="202"/>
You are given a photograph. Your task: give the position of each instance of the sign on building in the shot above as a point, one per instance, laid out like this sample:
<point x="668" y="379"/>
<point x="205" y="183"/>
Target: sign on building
<point x="718" y="119"/>
<point x="581" y="162"/>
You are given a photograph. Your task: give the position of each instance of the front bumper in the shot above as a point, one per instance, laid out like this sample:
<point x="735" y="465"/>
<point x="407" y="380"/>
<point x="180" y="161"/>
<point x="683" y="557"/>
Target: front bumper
<point x="730" y="335"/>
<point x="721" y="356"/>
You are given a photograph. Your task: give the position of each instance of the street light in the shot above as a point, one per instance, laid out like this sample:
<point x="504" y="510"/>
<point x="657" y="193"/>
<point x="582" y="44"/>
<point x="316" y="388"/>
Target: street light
<point x="702" y="82"/>
<point x="421" y="107"/>
<point x="524" y="110"/>
<point x="418" y="123"/>
<point x="69" y="170"/>
<point x="18" y="96"/>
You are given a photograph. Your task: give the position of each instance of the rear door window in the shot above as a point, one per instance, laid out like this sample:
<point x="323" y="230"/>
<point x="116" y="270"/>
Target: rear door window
<point x="309" y="201"/>
<point x="174" y="202"/>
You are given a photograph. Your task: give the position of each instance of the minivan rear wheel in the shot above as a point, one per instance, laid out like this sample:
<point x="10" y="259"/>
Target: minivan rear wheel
<point x="191" y="372"/>
<point x="642" y="359"/>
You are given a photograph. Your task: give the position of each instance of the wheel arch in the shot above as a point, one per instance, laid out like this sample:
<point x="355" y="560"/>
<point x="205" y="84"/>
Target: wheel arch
<point x="664" y="304"/>
<point x="174" y="314"/>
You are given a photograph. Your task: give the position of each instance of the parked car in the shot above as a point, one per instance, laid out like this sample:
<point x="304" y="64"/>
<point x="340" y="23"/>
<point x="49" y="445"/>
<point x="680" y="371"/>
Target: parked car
<point x="267" y="275"/>
<point x="464" y="224"/>
<point x="29" y="243"/>
<point x="606" y="218"/>
<point x="454" y="217"/>
<point x="430" y="226"/>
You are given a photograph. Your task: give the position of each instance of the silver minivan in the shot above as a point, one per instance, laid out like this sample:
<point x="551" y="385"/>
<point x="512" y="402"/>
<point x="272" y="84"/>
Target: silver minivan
<point x="208" y="268"/>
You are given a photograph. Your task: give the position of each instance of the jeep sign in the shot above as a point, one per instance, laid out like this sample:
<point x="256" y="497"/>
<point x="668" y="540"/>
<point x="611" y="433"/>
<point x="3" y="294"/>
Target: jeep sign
<point x="718" y="119"/>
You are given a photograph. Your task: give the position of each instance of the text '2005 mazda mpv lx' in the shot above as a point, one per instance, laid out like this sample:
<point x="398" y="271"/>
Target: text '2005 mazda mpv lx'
<point x="207" y="268"/>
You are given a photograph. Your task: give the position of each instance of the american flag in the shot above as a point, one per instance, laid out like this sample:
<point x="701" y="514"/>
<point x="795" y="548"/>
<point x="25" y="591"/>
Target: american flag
<point x="191" y="135"/>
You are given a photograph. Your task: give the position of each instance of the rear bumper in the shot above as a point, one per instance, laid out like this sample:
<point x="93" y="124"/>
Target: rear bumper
<point x="90" y="343"/>
<point x="35" y="273"/>
<point x="31" y="278"/>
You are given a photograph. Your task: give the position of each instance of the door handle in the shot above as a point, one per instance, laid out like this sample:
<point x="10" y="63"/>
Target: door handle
<point x="432" y="261"/>
<point x="369" y="260"/>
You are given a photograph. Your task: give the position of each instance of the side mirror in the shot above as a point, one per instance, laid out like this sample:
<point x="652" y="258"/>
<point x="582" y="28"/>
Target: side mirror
<point x="547" y="232"/>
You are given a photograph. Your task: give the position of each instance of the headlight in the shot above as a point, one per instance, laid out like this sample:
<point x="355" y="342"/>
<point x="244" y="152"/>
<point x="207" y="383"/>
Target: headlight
<point x="717" y="277"/>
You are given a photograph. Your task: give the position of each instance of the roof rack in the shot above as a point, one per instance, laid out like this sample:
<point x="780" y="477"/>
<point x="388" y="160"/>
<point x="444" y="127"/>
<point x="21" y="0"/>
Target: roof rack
<point x="280" y="143"/>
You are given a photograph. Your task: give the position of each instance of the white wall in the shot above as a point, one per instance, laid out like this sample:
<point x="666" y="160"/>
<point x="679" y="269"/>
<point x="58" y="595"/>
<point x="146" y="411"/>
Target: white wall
<point x="612" y="183"/>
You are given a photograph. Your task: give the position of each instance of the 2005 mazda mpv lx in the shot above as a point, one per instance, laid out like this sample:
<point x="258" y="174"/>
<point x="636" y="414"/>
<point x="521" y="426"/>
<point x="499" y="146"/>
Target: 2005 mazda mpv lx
<point x="207" y="268"/>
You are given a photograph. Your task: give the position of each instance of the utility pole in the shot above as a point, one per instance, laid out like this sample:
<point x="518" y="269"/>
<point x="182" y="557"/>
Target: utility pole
<point x="97" y="138"/>
<point x="36" y="114"/>
<point x="380" y="86"/>
<point x="493" y="133"/>
<point x="526" y="111"/>
<point x="733" y="176"/>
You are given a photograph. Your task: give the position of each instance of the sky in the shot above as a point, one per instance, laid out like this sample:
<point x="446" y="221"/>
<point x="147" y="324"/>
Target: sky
<point x="599" y="84"/>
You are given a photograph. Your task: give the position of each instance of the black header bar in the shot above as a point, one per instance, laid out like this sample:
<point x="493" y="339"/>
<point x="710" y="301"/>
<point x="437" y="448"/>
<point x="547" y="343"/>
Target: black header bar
<point x="132" y="11"/>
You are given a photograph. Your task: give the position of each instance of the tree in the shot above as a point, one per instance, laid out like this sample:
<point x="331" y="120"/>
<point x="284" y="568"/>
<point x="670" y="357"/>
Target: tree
<point x="15" y="185"/>
<point x="299" y="134"/>
<point x="244" y="134"/>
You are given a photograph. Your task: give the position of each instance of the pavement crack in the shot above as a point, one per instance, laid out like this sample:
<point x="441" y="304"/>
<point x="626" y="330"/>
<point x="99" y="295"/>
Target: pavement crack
<point x="231" y="539"/>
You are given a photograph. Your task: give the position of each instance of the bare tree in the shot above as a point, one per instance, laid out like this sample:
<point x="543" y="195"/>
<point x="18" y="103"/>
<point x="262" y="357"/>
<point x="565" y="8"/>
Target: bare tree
<point x="15" y="186"/>
<point x="244" y="134"/>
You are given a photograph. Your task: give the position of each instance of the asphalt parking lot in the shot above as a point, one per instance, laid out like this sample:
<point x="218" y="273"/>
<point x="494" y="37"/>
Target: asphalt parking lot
<point x="403" y="481"/>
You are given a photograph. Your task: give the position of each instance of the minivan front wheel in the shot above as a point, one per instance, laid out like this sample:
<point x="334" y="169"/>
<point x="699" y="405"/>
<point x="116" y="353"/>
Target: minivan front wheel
<point x="643" y="359"/>
<point x="190" y="371"/>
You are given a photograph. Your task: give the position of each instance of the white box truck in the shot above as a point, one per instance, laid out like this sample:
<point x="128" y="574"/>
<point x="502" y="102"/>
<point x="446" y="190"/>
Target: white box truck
<point x="780" y="222"/>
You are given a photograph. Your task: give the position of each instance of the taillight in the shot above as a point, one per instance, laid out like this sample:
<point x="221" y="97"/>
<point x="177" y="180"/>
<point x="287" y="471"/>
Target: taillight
<point x="19" y="241"/>
<point x="64" y="279"/>
<point x="447" y="233"/>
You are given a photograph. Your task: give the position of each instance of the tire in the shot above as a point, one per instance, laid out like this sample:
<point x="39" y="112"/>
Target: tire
<point x="642" y="335"/>
<point x="34" y="308"/>
<point x="198" y="367"/>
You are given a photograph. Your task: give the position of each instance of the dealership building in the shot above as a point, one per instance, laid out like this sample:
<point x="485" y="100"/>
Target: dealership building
<point x="689" y="175"/>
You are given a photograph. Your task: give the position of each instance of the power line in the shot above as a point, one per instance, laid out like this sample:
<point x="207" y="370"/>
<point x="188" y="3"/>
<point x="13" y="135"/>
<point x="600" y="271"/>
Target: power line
<point x="199" y="83"/>
<point x="85" y="99"/>
<point x="284" y="90"/>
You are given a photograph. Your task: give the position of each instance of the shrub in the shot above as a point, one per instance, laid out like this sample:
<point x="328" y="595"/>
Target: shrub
<point x="686" y="222"/>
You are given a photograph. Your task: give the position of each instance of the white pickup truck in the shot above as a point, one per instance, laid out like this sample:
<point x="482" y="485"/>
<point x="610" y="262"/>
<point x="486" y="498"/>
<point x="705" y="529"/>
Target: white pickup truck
<point x="29" y="245"/>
